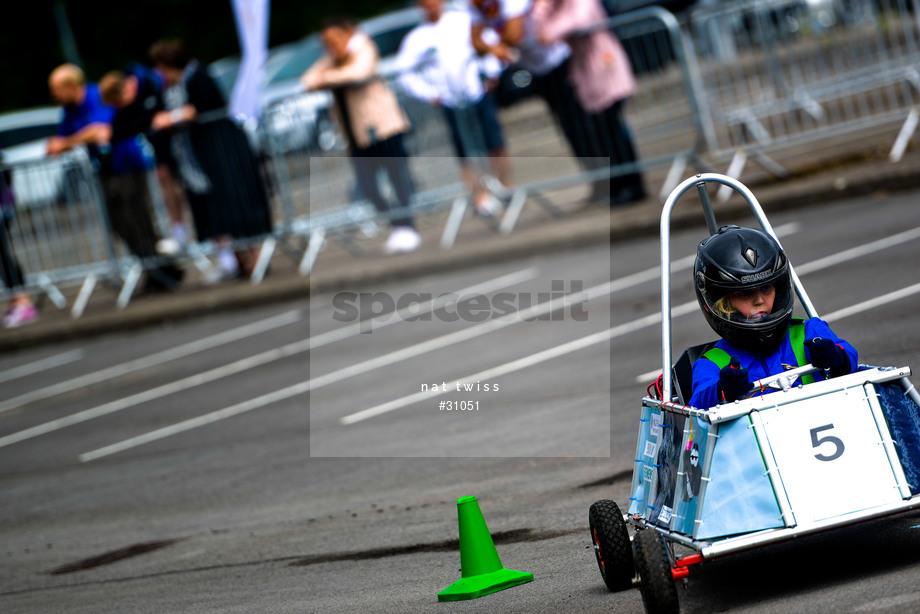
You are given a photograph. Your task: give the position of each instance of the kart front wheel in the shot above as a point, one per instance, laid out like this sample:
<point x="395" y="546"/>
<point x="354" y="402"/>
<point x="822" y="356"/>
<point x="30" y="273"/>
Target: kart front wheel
<point x="611" y="545"/>
<point x="659" y="592"/>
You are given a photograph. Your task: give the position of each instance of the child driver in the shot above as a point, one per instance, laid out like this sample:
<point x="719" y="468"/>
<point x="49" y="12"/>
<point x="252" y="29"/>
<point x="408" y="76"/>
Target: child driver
<point x="745" y="290"/>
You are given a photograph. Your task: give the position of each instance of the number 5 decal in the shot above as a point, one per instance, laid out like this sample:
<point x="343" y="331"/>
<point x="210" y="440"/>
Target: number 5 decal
<point x="817" y="441"/>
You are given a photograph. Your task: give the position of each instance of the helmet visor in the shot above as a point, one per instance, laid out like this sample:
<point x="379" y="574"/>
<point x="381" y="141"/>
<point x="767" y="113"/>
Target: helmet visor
<point x="754" y="307"/>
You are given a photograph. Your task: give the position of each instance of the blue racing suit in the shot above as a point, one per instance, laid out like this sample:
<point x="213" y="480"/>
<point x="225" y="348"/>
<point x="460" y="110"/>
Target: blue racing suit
<point x="706" y="372"/>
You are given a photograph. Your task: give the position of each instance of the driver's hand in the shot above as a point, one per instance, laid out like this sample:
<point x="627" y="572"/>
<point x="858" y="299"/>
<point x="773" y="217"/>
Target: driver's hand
<point x="825" y="354"/>
<point x="733" y="381"/>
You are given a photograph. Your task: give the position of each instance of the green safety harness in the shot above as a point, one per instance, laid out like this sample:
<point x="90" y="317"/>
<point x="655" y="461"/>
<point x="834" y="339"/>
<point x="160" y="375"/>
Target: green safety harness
<point x="796" y="338"/>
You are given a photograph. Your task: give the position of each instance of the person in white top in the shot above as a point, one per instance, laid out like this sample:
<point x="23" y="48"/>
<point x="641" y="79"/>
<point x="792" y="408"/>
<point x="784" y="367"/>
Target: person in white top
<point x="517" y="36"/>
<point x="515" y="41"/>
<point x="438" y="64"/>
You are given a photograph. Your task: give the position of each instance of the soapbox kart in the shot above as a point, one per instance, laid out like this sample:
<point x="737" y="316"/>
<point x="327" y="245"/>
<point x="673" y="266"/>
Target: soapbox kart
<point x="766" y="469"/>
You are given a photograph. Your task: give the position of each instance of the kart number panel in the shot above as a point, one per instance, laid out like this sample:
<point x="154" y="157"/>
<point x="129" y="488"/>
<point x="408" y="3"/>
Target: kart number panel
<point x="830" y="455"/>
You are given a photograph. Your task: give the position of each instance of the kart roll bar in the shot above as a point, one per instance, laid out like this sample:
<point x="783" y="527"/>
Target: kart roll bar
<point x="699" y="181"/>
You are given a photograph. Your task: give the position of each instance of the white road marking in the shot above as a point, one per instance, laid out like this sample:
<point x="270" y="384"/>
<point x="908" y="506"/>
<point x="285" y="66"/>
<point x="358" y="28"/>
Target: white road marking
<point x="193" y="423"/>
<point x="649" y="377"/>
<point x="635" y="279"/>
<point x="521" y="363"/>
<point x="423" y="347"/>
<point x="892" y="602"/>
<point x="858" y="251"/>
<point x="307" y="386"/>
<point x="145" y="362"/>
<point x="872" y="303"/>
<point x="245" y="364"/>
<point x="156" y="393"/>
<point x="399" y="355"/>
<point x="492" y="373"/>
<point x="41" y="365"/>
<point x="360" y="368"/>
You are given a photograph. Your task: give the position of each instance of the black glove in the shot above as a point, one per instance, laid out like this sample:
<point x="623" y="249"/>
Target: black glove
<point x="825" y="354"/>
<point x="733" y="381"/>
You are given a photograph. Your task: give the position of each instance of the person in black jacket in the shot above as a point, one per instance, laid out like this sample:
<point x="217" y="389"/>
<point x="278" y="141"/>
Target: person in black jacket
<point x="134" y="94"/>
<point x="223" y="182"/>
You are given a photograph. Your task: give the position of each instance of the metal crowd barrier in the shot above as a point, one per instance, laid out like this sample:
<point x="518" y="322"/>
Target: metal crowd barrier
<point x="314" y="179"/>
<point x="663" y="115"/>
<point x="741" y="80"/>
<point x="56" y="231"/>
<point x="229" y="204"/>
<point x="71" y="224"/>
<point x="782" y="73"/>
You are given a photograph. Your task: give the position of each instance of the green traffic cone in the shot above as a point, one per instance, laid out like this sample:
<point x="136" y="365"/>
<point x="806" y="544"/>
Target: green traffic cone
<point x="481" y="569"/>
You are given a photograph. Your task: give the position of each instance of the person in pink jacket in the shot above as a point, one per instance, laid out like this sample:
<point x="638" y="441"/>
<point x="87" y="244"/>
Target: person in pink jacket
<point x="601" y="75"/>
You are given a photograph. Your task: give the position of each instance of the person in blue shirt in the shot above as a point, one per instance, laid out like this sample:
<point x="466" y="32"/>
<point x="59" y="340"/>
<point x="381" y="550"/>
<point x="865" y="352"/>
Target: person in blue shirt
<point x="112" y="130"/>
<point x="135" y="96"/>
<point x="744" y="288"/>
<point x="86" y="117"/>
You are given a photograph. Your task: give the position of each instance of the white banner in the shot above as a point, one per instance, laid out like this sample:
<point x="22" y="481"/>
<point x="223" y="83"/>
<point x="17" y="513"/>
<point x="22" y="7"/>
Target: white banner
<point x="252" y="27"/>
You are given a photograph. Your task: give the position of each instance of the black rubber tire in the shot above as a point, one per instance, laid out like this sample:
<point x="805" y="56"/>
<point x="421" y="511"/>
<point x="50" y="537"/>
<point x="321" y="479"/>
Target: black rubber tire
<point x="659" y="592"/>
<point x="611" y="545"/>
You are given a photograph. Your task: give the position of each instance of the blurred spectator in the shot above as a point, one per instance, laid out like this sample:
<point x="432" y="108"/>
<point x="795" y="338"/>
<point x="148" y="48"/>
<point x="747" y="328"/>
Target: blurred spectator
<point x="371" y="118"/>
<point x="439" y="65"/>
<point x="20" y="309"/>
<point x="122" y="166"/>
<point x="600" y="72"/>
<point x="86" y="119"/>
<point x="167" y="171"/>
<point x="135" y="97"/>
<point x="505" y="29"/>
<point x="223" y="181"/>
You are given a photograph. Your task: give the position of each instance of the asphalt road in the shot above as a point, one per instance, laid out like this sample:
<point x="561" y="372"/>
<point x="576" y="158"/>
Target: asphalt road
<point x="217" y="466"/>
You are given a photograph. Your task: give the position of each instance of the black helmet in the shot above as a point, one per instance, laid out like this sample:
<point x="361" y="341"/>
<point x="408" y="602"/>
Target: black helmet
<point x="736" y="259"/>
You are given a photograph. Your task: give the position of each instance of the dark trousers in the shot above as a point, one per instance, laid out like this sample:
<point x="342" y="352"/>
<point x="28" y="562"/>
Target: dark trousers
<point x="593" y="137"/>
<point x="127" y="203"/>
<point x="9" y="267"/>
<point x="608" y="137"/>
<point x="555" y="89"/>
<point x="389" y="155"/>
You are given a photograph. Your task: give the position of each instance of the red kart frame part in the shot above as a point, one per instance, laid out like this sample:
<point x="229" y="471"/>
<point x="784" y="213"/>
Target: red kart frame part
<point x="680" y="569"/>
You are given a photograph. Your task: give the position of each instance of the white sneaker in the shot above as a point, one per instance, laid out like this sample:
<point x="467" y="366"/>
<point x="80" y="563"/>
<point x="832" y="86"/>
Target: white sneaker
<point x="176" y="244"/>
<point x="168" y="247"/>
<point x="402" y="239"/>
<point x="489" y="206"/>
<point x="226" y="267"/>
<point x="227" y="262"/>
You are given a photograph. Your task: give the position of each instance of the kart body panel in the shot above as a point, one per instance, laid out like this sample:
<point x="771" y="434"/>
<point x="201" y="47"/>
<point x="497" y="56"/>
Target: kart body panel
<point x="784" y="463"/>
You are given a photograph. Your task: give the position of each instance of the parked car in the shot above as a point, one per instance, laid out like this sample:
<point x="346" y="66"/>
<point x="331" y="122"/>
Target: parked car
<point x="22" y="138"/>
<point x="293" y="118"/>
<point x="23" y="133"/>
